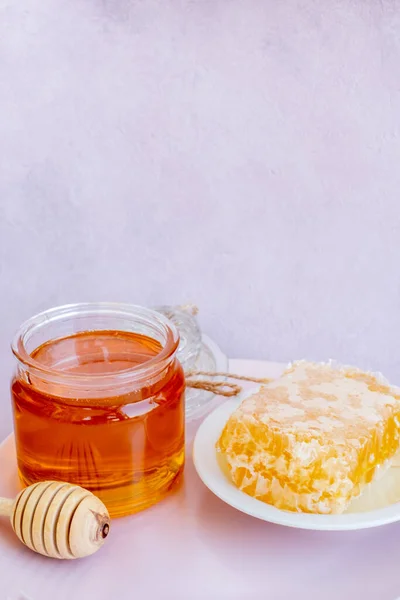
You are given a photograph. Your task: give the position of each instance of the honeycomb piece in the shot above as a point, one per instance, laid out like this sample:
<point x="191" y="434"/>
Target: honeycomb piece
<point x="311" y="440"/>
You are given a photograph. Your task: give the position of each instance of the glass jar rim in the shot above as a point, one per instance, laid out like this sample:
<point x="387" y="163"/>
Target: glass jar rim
<point x="106" y="308"/>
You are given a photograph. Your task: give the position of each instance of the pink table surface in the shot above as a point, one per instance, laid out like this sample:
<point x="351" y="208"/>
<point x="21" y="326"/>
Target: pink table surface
<point x="193" y="546"/>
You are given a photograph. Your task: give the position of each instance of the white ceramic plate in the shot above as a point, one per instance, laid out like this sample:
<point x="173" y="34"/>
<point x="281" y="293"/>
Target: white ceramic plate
<point x="378" y="505"/>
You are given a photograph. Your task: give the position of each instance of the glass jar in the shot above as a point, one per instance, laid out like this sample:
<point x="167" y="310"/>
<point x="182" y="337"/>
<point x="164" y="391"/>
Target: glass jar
<point x="98" y="400"/>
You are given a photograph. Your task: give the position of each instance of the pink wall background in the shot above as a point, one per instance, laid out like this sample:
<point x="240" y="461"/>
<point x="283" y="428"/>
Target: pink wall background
<point x="242" y="155"/>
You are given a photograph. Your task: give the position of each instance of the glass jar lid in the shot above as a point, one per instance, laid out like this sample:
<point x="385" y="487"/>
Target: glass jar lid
<point x="196" y="352"/>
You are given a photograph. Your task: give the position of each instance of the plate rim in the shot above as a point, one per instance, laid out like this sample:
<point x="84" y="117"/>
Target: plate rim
<point x="204" y="451"/>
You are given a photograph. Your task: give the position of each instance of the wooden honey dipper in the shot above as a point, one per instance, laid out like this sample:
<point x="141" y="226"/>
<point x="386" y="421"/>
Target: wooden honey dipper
<point x="58" y="519"/>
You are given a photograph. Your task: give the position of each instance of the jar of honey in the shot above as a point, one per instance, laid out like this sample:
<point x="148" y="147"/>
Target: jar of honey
<point x="98" y="400"/>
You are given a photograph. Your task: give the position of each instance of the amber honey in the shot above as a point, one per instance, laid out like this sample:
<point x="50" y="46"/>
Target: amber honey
<point x="104" y="409"/>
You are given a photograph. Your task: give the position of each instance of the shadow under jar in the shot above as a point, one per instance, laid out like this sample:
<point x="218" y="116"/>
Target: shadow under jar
<point x="98" y="400"/>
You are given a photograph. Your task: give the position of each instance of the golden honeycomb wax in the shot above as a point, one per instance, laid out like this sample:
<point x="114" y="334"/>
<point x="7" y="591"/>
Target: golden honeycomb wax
<point x="311" y="440"/>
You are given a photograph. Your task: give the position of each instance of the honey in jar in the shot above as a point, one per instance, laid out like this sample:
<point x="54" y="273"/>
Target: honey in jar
<point x="98" y="400"/>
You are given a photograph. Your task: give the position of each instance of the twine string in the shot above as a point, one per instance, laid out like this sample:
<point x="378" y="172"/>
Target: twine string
<point x="207" y="381"/>
<point x="221" y="388"/>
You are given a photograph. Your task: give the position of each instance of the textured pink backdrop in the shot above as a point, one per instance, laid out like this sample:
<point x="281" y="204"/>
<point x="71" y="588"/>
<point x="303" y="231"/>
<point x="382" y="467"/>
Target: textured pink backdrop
<point x="243" y="155"/>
